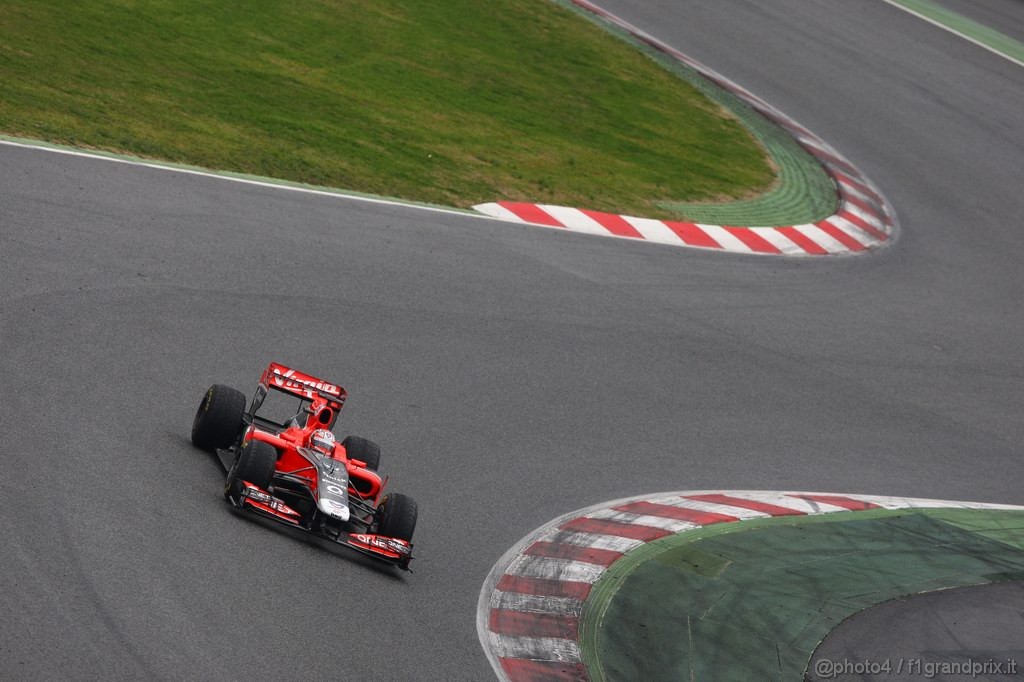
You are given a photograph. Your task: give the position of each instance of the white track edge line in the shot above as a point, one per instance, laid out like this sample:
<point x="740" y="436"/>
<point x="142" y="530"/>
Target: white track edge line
<point x="269" y="182"/>
<point x="955" y="32"/>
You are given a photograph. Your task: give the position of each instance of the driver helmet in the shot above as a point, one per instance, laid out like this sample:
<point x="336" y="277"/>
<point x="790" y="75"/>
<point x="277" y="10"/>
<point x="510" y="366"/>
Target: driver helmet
<point x="322" y="440"/>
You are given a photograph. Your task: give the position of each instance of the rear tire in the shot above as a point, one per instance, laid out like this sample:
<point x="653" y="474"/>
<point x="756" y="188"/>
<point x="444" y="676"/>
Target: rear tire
<point x="218" y="420"/>
<point x="364" y="450"/>
<point x="255" y="463"/>
<point x="398" y="515"/>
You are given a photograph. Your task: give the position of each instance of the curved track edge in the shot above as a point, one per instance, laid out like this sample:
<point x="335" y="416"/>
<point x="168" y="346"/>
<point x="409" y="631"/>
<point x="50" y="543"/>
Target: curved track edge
<point x="529" y="606"/>
<point x="865" y="220"/>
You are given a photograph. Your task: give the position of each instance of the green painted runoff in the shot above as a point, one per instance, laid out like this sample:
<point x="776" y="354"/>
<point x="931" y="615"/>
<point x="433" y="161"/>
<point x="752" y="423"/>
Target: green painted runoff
<point x="751" y="600"/>
<point x="989" y="37"/>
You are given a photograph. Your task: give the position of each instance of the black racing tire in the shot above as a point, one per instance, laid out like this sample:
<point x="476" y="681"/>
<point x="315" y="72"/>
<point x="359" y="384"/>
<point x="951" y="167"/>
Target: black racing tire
<point x="254" y="463"/>
<point x="363" y="450"/>
<point x="397" y="516"/>
<point x="218" y="420"/>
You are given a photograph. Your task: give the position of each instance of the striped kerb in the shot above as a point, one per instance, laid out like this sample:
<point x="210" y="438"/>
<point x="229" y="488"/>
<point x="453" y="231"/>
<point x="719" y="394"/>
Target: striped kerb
<point x="745" y="503"/>
<point x="530" y="614"/>
<point x="863" y="222"/>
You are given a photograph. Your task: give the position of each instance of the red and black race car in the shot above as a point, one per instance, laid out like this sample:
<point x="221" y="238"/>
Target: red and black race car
<point x="283" y="462"/>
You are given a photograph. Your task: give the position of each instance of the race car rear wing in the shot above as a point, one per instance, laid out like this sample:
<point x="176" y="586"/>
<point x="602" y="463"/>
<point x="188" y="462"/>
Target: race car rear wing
<point x="304" y="386"/>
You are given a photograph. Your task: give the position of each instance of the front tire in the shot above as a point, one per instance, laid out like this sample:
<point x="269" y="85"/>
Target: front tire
<point x="218" y="420"/>
<point x="364" y="450"/>
<point x="397" y="515"/>
<point x="255" y="463"/>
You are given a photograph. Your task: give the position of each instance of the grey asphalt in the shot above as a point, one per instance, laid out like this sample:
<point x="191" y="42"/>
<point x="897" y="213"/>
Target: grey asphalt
<point x="510" y="373"/>
<point x="1005" y="16"/>
<point x="973" y="633"/>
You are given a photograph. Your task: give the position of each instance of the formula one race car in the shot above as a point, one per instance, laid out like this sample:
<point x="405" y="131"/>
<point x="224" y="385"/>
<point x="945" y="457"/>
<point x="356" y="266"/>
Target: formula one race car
<point x="283" y="463"/>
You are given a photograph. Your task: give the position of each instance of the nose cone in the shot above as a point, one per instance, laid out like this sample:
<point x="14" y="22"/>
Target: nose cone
<point x="335" y="509"/>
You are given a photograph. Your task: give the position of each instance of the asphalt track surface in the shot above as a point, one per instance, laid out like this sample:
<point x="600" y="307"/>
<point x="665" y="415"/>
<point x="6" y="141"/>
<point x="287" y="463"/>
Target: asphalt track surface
<point x="965" y="625"/>
<point x="510" y="373"/>
<point x="1005" y="16"/>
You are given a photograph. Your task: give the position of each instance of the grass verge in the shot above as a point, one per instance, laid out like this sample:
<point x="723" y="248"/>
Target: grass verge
<point x="450" y="103"/>
<point x="803" y="192"/>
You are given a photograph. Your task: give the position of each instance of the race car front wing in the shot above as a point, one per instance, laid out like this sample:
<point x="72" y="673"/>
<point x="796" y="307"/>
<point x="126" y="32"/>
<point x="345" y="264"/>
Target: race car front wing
<point x="251" y="498"/>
